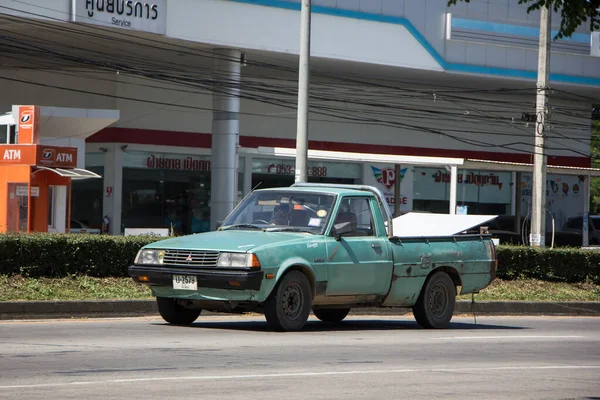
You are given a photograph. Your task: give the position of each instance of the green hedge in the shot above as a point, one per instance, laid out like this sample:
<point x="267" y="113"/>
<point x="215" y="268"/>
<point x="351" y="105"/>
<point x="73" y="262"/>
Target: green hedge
<point x="55" y="255"/>
<point x="52" y="255"/>
<point x="559" y="264"/>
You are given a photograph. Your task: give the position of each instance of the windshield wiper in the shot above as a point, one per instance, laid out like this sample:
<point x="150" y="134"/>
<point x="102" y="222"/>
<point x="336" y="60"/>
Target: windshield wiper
<point x="289" y="229"/>
<point x="241" y="226"/>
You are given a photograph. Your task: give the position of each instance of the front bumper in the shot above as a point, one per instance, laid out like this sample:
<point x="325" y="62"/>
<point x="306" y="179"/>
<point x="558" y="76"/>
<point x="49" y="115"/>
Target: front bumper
<point x="163" y="276"/>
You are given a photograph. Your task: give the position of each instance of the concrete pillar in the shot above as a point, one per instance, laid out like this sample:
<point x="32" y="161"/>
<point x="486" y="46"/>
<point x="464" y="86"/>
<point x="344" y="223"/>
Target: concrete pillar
<point x="225" y="134"/>
<point x="586" y="212"/>
<point x="453" y="187"/>
<point x="113" y="186"/>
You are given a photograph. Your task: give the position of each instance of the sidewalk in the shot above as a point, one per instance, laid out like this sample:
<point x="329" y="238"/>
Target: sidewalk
<point x="131" y="308"/>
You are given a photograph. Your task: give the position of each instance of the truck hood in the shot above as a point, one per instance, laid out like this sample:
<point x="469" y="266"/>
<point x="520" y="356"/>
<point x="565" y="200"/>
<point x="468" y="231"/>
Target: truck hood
<point x="230" y="240"/>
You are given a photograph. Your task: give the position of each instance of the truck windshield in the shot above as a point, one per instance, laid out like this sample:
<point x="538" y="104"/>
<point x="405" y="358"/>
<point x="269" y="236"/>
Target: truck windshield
<point x="274" y="210"/>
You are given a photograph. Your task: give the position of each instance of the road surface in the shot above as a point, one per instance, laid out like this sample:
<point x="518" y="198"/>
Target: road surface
<point x="224" y="357"/>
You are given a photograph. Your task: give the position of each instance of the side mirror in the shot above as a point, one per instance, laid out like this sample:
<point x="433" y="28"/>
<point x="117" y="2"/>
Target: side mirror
<point x="342" y="228"/>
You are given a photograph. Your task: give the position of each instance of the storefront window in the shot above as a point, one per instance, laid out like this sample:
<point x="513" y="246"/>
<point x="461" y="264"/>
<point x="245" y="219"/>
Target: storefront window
<point x="86" y="195"/>
<point x="164" y="190"/>
<point x="478" y="192"/>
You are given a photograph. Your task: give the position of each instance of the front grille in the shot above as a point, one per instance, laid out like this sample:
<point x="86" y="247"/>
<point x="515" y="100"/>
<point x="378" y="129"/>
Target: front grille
<point x="191" y="258"/>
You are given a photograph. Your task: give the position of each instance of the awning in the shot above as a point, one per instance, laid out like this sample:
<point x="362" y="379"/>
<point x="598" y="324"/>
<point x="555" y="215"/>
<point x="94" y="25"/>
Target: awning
<point x="73" y="173"/>
<point x="525" y="167"/>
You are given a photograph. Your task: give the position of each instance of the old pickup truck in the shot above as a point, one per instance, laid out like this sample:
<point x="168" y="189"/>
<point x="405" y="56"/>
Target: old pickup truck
<point x="325" y="248"/>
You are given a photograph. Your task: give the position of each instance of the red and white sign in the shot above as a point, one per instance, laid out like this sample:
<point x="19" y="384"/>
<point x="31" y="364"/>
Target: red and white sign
<point x="29" y="120"/>
<point x="383" y="176"/>
<point x="109" y="191"/>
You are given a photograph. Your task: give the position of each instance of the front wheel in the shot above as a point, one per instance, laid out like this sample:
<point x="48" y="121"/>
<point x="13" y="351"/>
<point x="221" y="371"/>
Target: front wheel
<point x="435" y="305"/>
<point x="334" y="315"/>
<point x="174" y="313"/>
<point x="288" y="307"/>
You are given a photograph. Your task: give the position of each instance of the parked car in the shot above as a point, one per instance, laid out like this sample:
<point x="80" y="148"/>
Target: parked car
<point x="329" y="248"/>
<point x="79" y="227"/>
<point x="575" y="224"/>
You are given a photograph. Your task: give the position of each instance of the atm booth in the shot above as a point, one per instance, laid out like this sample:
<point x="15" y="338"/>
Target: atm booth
<point x="36" y="178"/>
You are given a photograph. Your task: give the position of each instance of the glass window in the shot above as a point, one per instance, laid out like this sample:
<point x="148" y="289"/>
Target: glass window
<point x="86" y="203"/>
<point x="278" y="209"/>
<point x="575" y="223"/>
<point x="357" y="211"/>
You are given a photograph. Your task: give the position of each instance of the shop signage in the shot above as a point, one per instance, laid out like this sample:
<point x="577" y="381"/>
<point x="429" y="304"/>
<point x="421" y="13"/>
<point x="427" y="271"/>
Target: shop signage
<point x="29" y="121"/>
<point x="109" y="191"/>
<point x="12" y="154"/>
<point x="384" y="177"/>
<point x="21" y="191"/>
<point x="17" y="154"/>
<point x="473" y="186"/>
<point x="315" y="169"/>
<point x="148" y="16"/>
<point x="186" y="163"/>
<point x="35" y="191"/>
<point x="52" y="156"/>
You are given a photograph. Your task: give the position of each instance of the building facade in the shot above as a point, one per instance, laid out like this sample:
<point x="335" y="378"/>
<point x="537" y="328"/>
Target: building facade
<point x="206" y="89"/>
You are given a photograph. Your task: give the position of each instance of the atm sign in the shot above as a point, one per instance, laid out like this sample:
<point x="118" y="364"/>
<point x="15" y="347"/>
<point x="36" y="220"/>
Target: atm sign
<point x="57" y="156"/>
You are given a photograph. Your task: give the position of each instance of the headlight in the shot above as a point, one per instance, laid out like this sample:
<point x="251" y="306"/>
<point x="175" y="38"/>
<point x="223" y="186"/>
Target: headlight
<point x="238" y="260"/>
<point x="150" y="257"/>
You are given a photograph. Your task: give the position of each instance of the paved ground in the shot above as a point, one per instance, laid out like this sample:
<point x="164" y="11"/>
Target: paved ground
<point x="367" y="357"/>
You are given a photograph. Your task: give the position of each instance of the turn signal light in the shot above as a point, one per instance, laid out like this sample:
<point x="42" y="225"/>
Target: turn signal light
<point x="255" y="264"/>
<point x="234" y="283"/>
<point x="143" y="278"/>
<point x="270" y="276"/>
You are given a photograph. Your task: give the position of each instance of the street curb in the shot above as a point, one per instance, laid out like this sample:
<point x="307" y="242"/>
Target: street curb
<point x="132" y="308"/>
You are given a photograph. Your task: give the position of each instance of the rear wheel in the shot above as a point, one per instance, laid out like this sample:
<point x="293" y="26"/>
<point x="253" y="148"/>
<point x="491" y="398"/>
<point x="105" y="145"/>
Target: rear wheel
<point x="172" y="312"/>
<point x="331" y="314"/>
<point x="435" y="305"/>
<point x="288" y="307"/>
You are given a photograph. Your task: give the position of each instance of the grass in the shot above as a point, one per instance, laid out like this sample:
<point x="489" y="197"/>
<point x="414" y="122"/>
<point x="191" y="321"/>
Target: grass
<point x="14" y="288"/>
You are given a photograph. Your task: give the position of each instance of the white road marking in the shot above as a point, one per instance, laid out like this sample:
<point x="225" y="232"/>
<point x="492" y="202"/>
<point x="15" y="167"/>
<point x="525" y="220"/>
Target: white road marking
<point x="301" y="374"/>
<point x="508" y="337"/>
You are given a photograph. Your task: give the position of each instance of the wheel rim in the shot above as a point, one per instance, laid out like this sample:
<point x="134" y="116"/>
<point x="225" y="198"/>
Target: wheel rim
<point x="292" y="300"/>
<point x="438" y="300"/>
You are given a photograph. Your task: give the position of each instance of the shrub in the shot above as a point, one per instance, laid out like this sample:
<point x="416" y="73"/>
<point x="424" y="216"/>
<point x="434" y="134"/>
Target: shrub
<point x="560" y="264"/>
<point x="55" y="255"/>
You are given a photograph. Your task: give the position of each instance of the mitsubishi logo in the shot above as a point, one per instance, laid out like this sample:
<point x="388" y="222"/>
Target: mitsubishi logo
<point x="189" y="258"/>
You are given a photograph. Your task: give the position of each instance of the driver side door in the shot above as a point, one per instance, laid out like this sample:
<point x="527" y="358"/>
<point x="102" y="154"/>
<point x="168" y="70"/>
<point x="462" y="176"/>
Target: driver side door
<point x="360" y="262"/>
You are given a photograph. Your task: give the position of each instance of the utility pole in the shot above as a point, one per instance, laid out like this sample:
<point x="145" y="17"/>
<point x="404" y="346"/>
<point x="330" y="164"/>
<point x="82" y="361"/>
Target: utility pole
<point x="538" y="223"/>
<point x="303" y="91"/>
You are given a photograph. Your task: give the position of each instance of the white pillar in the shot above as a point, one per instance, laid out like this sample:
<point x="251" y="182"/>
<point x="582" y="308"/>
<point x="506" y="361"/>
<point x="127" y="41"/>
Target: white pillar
<point x="113" y="186"/>
<point x="453" y="186"/>
<point x="225" y="134"/>
<point x="247" y="174"/>
<point x="586" y="211"/>
<point x="60" y="209"/>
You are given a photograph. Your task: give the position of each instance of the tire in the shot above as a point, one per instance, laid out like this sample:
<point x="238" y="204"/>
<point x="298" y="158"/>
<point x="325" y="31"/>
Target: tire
<point x="174" y="313"/>
<point x="334" y="315"/>
<point x="435" y="305"/>
<point x="288" y="307"/>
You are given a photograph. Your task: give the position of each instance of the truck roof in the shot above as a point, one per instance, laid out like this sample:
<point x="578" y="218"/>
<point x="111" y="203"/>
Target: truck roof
<point x="321" y="189"/>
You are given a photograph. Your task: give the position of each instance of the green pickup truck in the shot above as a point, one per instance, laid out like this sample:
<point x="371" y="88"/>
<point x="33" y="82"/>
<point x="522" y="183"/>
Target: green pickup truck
<point x="326" y="248"/>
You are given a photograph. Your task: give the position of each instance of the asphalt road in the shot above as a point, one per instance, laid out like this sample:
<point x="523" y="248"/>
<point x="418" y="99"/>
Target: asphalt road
<point x="226" y="357"/>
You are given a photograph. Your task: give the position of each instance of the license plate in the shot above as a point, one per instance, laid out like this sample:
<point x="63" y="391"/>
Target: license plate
<point x="185" y="282"/>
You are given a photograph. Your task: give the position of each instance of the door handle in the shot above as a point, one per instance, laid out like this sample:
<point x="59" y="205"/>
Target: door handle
<point x="376" y="245"/>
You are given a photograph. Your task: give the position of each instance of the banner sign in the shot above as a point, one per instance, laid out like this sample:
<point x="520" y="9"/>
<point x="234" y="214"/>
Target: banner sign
<point x="317" y="169"/>
<point x="383" y="176"/>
